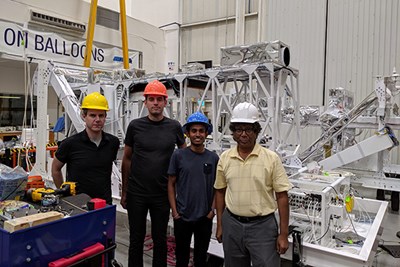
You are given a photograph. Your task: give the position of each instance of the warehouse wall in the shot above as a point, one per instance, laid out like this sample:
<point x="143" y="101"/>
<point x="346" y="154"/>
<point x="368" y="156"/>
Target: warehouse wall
<point x="206" y="26"/>
<point x="334" y="43"/>
<point x="166" y="16"/>
<point x="114" y="5"/>
<point x="363" y="42"/>
<point x="158" y="13"/>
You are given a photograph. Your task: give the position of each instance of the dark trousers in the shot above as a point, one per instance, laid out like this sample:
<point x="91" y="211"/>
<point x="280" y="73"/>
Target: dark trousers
<point x="251" y="244"/>
<point x="137" y="208"/>
<point x="183" y="231"/>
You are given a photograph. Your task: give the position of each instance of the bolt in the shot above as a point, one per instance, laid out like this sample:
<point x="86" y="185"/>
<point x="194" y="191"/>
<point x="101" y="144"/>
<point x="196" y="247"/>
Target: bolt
<point x="104" y="222"/>
<point x="28" y="259"/>
<point x="28" y="247"/>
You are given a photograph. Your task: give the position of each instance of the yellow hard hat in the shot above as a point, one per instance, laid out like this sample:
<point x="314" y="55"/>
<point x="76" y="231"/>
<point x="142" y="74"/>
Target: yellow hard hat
<point x="95" y="101"/>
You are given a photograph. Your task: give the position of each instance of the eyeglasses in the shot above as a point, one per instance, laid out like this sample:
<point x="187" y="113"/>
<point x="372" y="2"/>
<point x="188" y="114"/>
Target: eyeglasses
<point x="247" y="130"/>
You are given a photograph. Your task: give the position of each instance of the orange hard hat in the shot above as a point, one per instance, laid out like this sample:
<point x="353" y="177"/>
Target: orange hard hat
<point x="155" y="88"/>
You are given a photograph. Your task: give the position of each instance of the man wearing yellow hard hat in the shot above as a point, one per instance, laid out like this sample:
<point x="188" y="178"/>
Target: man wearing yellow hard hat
<point x="89" y="155"/>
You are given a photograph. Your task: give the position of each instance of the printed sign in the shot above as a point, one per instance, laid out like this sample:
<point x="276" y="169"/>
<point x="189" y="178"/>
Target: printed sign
<point x="16" y="40"/>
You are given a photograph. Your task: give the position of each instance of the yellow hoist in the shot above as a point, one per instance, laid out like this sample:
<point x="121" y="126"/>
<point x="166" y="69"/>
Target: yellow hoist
<point x="90" y="33"/>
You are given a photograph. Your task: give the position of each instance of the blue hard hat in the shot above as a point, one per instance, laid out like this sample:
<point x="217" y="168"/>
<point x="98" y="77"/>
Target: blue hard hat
<point x="198" y="117"/>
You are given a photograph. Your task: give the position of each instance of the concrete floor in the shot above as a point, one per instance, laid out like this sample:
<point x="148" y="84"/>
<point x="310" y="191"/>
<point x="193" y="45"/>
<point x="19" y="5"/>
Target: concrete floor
<point x="391" y="225"/>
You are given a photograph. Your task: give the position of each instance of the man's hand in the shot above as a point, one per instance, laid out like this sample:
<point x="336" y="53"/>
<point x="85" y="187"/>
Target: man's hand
<point x="218" y="234"/>
<point x="175" y="215"/>
<point x="211" y="215"/>
<point x="123" y="201"/>
<point x="282" y="244"/>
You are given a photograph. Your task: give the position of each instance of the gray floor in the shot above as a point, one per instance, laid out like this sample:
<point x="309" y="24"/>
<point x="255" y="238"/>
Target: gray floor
<point x="390" y="225"/>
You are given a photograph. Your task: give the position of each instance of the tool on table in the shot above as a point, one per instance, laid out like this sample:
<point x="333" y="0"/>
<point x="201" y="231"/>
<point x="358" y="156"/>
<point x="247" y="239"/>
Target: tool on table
<point x="49" y="196"/>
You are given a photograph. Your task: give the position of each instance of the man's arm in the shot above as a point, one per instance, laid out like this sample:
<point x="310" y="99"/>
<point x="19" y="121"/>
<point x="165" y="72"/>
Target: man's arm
<point x="125" y="171"/>
<point x="212" y="212"/>
<point x="282" y="242"/>
<point x="56" y="172"/>
<point x="220" y="206"/>
<point x="172" y="196"/>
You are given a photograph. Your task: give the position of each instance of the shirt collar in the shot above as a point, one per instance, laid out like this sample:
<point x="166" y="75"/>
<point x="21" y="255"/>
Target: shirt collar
<point x="256" y="151"/>
<point x="85" y="136"/>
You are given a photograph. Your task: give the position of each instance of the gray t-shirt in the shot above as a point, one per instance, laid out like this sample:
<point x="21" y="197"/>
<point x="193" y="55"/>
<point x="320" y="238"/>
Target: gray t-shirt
<point x="195" y="177"/>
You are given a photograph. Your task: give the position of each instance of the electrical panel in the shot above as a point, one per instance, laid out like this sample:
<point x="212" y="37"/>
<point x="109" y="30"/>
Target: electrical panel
<point x="317" y="201"/>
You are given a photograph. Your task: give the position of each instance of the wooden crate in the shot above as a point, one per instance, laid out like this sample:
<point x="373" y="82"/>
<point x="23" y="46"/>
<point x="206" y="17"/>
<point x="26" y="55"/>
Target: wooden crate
<point x="31" y="220"/>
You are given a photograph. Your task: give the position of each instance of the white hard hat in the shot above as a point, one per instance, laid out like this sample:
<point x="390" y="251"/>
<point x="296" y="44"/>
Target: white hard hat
<point x="245" y="113"/>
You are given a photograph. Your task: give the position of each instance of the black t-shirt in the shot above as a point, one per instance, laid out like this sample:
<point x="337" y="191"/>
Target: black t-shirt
<point x="195" y="177"/>
<point x="88" y="165"/>
<point x="152" y="145"/>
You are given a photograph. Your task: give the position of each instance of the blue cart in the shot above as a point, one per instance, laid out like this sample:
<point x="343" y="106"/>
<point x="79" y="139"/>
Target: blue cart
<point x="45" y="243"/>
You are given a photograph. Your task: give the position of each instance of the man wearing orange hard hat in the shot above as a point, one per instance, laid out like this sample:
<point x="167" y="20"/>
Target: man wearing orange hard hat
<point x="89" y="155"/>
<point x="149" y="144"/>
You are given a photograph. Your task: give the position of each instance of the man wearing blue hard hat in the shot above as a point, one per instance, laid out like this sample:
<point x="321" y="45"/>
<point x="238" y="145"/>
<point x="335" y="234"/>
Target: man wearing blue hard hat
<point x="190" y="192"/>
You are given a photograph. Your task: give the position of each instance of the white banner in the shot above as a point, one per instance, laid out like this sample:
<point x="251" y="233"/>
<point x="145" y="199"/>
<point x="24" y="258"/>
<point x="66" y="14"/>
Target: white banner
<point x="15" y="40"/>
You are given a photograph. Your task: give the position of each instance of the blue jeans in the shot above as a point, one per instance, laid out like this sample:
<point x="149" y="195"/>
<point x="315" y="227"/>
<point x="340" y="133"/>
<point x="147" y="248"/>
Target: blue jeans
<point x="183" y="231"/>
<point x="137" y="208"/>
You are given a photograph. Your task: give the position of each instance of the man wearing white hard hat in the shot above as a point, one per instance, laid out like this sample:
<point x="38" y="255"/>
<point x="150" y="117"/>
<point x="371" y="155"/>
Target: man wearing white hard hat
<point x="249" y="179"/>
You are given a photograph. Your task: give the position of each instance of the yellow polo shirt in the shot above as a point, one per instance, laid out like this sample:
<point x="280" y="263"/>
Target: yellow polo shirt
<point x="250" y="184"/>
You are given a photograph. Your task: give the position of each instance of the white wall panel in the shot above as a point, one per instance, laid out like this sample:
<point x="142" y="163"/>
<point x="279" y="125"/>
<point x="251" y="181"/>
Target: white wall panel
<point x="205" y="10"/>
<point x="202" y="40"/>
<point x="363" y="42"/>
<point x="155" y="12"/>
<point x="203" y="43"/>
<point x="250" y="32"/>
<point x="301" y="25"/>
<point x="114" y="5"/>
<point x="209" y="25"/>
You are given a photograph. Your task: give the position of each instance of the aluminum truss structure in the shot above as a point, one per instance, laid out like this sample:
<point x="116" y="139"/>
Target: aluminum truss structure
<point x="271" y="87"/>
<point x="378" y="111"/>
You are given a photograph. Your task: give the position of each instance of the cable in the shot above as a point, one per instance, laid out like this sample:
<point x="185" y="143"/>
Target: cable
<point x="327" y="229"/>
<point x="333" y="189"/>
<point x="351" y="221"/>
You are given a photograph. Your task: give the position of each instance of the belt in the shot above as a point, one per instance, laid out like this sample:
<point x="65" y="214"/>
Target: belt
<point x="244" y="219"/>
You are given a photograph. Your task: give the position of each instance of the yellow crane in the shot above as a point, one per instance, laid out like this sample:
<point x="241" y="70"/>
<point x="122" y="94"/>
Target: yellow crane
<point x="90" y="33"/>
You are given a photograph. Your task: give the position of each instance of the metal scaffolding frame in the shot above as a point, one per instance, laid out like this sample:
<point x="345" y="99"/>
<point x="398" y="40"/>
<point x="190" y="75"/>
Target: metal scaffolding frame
<point x="271" y="87"/>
